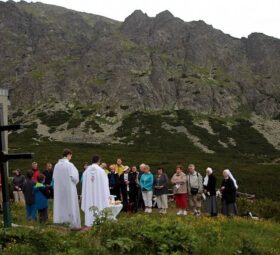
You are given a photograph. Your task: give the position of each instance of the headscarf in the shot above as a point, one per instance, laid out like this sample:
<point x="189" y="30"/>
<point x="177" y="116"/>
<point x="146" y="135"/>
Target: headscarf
<point x="231" y="177"/>
<point x="206" y="178"/>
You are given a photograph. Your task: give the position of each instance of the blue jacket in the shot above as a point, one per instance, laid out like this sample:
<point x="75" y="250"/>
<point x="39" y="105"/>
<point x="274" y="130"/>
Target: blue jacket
<point x="41" y="196"/>
<point x="146" y="182"/>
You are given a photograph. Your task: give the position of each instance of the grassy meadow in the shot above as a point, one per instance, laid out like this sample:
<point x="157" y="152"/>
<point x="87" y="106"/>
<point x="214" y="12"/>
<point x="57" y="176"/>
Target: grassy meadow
<point x="144" y="234"/>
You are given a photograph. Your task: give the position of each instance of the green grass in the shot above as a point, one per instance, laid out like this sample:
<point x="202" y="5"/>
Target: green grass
<point x="144" y="234"/>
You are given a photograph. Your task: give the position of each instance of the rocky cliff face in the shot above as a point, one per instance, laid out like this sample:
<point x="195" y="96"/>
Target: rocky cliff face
<point x="78" y="77"/>
<point x="141" y="64"/>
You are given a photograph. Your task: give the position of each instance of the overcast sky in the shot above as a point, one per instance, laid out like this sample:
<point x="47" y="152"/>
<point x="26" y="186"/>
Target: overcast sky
<point x="236" y="17"/>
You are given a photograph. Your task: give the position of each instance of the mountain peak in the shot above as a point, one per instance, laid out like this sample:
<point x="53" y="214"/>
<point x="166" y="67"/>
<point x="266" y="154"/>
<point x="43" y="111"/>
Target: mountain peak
<point x="136" y="21"/>
<point x="137" y="14"/>
<point x="165" y="15"/>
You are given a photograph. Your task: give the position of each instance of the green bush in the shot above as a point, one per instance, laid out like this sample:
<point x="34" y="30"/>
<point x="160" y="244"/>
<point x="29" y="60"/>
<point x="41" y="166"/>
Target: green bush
<point x="263" y="208"/>
<point x="148" y="234"/>
<point x="74" y="123"/>
<point x="92" y="124"/>
<point x="87" y="112"/>
<point x="54" y="119"/>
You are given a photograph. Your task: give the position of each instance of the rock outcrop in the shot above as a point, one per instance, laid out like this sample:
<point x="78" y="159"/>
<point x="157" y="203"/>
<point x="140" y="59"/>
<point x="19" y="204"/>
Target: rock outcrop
<point x="161" y="63"/>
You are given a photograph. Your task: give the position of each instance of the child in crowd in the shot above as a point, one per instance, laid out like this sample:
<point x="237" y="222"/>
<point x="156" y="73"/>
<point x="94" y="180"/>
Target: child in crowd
<point x="42" y="194"/>
<point x="28" y="191"/>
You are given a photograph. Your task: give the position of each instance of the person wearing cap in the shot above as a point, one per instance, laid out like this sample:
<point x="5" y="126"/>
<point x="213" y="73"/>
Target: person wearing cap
<point x="228" y="190"/>
<point x="209" y="185"/>
<point x="124" y="184"/>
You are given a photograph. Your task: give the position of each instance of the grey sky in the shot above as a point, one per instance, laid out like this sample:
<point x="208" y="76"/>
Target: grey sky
<point x="236" y="17"/>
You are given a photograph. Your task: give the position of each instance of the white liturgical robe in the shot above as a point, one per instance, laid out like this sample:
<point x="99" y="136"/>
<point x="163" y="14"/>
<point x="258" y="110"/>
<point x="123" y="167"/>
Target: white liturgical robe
<point x="66" y="204"/>
<point x="95" y="192"/>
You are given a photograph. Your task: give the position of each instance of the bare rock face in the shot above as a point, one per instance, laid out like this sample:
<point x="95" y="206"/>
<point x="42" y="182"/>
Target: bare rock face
<point x="144" y="63"/>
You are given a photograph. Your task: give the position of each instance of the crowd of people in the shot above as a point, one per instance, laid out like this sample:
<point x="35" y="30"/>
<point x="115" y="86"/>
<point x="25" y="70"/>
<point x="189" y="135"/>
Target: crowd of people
<point x="144" y="190"/>
<point x="137" y="189"/>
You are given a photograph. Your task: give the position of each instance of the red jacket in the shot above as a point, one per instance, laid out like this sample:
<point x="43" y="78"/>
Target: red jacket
<point x="36" y="174"/>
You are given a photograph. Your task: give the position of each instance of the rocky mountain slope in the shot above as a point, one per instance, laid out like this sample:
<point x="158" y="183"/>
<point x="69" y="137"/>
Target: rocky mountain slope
<point x="83" y="74"/>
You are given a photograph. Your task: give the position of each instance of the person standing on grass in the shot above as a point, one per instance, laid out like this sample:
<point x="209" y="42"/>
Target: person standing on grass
<point x="48" y="173"/>
<point x="28" y="191"/>
<point x="18" y="182"/>
<point x="146" y="184"/>
<point x="114" y="182"/>
<point x="209" y="185"/>
<point x="42" y="194"/>
<point x="82" y="171"/>
<point x="161" y="190"/>
<point x="140" y="201"/>
<point x="179" y="180"/>
<point x="119" y="167"/>
<point x="95" y="191"/>
<point x="66" y="205"/>
<point x="133" y="188"/>
<point x="36" y="171"/>
<point x="104" y="166"/>
<point x="195" y="189"/>
<point x="124" y="185"/>
<point x="228" y="190"/>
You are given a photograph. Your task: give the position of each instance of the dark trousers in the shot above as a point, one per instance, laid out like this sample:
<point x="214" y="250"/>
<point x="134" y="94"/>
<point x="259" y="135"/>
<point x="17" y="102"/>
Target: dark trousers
<point x="124" y="197"/>
<point x="140" y="201"/>
<point x="115" y="192"/>
<point x="43" y="215"/>
<point x="133" y="197"/>
<point x="30" y="212"/>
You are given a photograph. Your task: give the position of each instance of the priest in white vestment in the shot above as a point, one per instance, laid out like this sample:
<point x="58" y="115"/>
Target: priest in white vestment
<point x="95" y="190"/>
<point x="66" y="205"/>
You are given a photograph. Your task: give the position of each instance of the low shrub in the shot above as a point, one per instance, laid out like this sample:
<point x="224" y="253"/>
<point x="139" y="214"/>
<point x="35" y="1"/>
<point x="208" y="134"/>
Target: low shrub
<point x="74" y="123"/>
<point x="148" y="234"/>
<point x="263" y="208"/>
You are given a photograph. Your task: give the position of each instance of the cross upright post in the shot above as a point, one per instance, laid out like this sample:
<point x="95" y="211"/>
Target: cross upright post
<point x="5" y="157"/>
